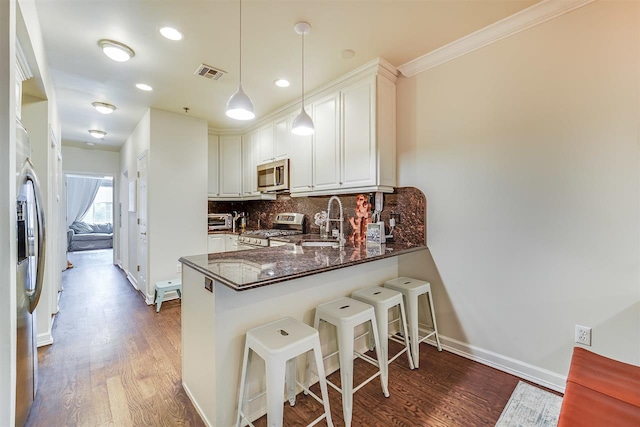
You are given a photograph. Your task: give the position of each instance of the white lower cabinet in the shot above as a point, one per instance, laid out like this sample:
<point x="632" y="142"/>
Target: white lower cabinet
<point x="230" y="242"/>
<point x="216" y="243"/>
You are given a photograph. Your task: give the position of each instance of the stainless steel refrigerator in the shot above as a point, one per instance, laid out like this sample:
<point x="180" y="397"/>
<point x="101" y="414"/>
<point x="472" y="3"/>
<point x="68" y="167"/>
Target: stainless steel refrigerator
<point x="29" y="274"/>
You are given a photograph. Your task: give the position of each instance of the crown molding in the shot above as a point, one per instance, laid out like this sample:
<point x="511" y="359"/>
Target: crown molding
<point x="527" y="18"/>
<point x="23" y="69"/>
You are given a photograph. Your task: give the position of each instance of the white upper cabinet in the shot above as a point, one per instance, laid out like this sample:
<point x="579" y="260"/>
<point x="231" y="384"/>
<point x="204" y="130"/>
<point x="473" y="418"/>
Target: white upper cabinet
<point x="354" y="147"/>
<point x="301" y="161"/>
<point x="213" y="167"/>
<point x="230" y="166"/>
<point x="326" y="143"/>
<point x="281" y="138"/>
<point x="266" y="143"/>
<point x="250" y="154"/>
<point x="358" y="131"/>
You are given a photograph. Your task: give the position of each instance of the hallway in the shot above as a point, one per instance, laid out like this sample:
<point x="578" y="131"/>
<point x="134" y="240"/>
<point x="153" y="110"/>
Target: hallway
<point x="101" y="370"/>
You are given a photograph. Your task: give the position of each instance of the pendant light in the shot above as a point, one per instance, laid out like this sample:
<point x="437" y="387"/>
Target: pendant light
<point x="239" y="106"/>
<point x="302" y="124"/>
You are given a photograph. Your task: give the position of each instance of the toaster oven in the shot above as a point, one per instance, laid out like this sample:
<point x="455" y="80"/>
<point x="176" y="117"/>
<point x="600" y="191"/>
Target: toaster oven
<point x="220" y="221"/>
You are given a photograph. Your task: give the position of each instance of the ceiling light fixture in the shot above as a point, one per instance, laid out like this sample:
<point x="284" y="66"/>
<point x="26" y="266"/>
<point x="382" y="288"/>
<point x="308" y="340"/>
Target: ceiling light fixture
<point x="282" y="83"/>
<point x="144" y="87"/>
<point x="103" y="107"/>
<point x="98" y="134"/>
<point x="170" y="33"/>
<point x="239" y="106"/>
<point x="115" y="50"/>
<point x="302" y="124"/>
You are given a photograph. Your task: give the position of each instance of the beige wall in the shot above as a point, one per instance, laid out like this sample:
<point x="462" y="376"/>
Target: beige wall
<point x="528" y="153"/>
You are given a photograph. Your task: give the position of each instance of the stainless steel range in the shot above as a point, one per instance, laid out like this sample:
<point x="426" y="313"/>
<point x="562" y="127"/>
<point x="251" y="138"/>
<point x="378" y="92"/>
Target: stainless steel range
<point x="284" y="224"/>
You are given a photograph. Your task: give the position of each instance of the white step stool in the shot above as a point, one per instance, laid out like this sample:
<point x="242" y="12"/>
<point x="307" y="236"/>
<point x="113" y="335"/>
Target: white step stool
<point x="411" y="289"/>
<point x="278" y="344"/>
<point x="164" y="287"/>
<point x="345" y="314"/>
<point x="383" y="300"/>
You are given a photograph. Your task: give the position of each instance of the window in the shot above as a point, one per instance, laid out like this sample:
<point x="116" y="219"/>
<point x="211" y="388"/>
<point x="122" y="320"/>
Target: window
<point x="101" y="211"/>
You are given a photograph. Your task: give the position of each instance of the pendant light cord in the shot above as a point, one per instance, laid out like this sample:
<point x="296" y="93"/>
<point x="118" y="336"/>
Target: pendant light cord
<point x="240" y="38"/>
<point x="303" y="70"/>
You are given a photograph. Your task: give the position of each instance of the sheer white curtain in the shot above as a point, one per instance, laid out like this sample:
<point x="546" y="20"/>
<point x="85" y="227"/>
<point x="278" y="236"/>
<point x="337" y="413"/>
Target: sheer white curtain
<point x="81" y="192"/>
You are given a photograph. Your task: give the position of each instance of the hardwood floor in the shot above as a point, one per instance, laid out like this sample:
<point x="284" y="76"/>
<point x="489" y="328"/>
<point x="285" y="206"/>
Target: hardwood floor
<point x="116" y="362"/>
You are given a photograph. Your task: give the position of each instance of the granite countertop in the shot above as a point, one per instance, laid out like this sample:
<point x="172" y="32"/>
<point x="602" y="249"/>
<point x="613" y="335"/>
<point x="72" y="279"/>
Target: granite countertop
<point x="252" y="268"/>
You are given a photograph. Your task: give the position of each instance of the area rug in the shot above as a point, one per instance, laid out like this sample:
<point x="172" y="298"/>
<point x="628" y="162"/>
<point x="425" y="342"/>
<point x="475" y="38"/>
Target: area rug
<point x="530" y="406"/>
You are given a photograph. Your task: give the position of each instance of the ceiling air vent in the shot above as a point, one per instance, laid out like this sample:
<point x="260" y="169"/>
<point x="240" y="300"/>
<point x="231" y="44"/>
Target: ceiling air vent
<point x="209" y="72"/>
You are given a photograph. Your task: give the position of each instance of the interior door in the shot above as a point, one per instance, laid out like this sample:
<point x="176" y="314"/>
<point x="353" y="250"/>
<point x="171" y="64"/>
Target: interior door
<point x="142" y="225"/>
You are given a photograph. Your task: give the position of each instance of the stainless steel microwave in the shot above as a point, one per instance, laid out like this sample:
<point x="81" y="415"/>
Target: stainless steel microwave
<point x="273" y="176"/>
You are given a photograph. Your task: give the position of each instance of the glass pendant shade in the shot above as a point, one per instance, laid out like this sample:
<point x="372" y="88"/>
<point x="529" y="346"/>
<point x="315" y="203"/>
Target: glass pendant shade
<point x="239" y="106"/>
<point x="302" y="124"/>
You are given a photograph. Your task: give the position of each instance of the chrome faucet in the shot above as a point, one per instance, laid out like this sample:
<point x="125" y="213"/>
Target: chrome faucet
<point x="341" y="220"/>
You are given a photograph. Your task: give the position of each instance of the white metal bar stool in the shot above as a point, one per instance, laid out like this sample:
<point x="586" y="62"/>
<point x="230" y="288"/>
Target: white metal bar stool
<point x="345" y="314"/>
<point x="383" y="300"/>
<point x="278" y="344"/>
<point x="411" y="289"/>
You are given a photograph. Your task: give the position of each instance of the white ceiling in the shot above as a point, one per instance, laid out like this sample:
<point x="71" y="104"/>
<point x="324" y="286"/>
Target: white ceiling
<point x="396" y="30"/>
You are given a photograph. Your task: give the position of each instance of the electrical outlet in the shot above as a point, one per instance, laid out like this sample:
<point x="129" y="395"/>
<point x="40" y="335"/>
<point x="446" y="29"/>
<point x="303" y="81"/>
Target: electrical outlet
<point x="179" y="267"/>
<point x="583" y="335"/>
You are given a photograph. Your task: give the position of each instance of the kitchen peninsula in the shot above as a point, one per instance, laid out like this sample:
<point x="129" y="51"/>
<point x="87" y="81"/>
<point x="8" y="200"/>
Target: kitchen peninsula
<point x="225" y="294"/>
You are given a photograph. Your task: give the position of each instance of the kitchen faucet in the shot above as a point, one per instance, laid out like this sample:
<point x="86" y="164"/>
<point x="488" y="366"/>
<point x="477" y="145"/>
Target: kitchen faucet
<point x="341" y="220"/>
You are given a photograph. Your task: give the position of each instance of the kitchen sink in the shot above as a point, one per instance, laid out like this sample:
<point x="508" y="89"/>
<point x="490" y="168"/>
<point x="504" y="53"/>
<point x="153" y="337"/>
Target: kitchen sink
<point x="325" y="243"/>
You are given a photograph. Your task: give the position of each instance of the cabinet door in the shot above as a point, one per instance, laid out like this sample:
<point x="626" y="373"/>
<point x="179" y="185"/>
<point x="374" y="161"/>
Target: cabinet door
<point x="358" y="146"/>
<point x="216" y="243"/>
<point x="301" y="161"/>
<point x="266" y="144"/>
<point x="230" y="166"/>
<point x="213" y="167"/>
<point x="326" y="143"/>
<point x="230" y="242"/>
<point x="282" y="135"/>
<point x="250" y="153"/>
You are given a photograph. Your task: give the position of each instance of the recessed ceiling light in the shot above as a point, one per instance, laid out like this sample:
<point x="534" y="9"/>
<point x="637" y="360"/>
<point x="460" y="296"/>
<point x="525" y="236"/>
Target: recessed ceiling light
<point x="115" y="50"/>
<point x="99" y="134"/>
<point x="103" y="107"/>
<point x="144" y="87"/>
<point x="170" y="33"/>
<point x="90" y="144"/>
<point x="282" y="83"/>
<point x="347" y="54"/>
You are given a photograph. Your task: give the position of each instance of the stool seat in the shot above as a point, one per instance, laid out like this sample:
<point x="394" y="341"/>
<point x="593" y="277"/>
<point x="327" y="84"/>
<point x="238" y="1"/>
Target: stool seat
<point x="164" y="287"/>
<point x="345" y="314"/>
<point x="411" y="290"/>
<point x="279" y="343"/>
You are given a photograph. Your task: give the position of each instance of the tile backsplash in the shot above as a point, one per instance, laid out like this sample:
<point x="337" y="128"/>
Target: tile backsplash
<point x="409" y="202"/>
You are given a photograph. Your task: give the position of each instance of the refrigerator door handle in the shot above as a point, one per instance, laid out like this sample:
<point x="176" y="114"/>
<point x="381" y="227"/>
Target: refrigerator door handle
<point x="29" y="174"/>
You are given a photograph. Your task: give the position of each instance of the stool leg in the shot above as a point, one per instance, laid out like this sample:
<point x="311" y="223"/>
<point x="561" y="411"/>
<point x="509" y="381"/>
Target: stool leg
<point x="179" y="293"/>
<point x="382" y="319"/>
<point x="317" y="352"/>
<point x="159" y="299"/>
<point x="433" y="319"/>
<point x="307" y="372"/>
<point x="384" y="379"/>
<point x="412" y="311"/>
<point x="291" y="381"/>
<point x="276" y="372"/>
<point x="345" y="347"/>
<point x="243" y="377"/>
<point x="403" y="320"/>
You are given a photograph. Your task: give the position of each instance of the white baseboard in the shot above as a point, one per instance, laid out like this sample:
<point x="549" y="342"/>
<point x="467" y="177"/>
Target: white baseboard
<point x="195" y="405"/>
<point x="132" y="280"/>
<point x="520" y="369"/>
<point x="44" y="339"/>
